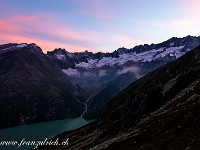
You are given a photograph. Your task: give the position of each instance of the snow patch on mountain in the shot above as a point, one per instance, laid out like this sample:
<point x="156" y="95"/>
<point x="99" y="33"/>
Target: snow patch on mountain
<point x="171" y="44"/>
<point x="12" y="47"/>
<point x="21" y="45"/>
<point x="172" y="51"/>
<point x="60" y="57"/>
<point x="146" y="56"/>
<point x="70" y="55"/>
<point x="8" y="48"/>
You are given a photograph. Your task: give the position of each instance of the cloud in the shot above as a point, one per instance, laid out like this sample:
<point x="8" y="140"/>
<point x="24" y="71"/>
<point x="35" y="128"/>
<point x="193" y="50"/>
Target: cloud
<point x="168" y="24"/>
<point x="178" y="28"/>
<point x="71" y="72"/>
<point x="4" y="26"/>
<point x="183" y="22"/>
<point x="102" y="73"/>
<point x="87" y="74"/>
<point x="45" y="32"/>
<point x="133" y="69"/>
<point x="175" y="23"/>
<point x="80" y="74"/>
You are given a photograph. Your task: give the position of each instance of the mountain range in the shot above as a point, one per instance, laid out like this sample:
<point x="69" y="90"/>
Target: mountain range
<point x="158" y="111"/>
<point x="38" y="87"/>
<point x="104" y="75"/>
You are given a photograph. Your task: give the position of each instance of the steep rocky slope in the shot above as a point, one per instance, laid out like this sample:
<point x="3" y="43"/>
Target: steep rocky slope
<point x="159" y="111"/>
<point x="33" y="89"/>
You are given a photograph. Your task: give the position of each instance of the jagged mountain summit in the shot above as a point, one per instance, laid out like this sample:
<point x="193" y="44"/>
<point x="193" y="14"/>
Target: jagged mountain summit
<point x="174" y="48"/>
<point x="159" y="111"/>
<point x="105" y="74"/>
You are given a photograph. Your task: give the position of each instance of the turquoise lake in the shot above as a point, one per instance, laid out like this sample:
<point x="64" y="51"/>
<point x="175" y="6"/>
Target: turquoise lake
<point x="39" y="131"/>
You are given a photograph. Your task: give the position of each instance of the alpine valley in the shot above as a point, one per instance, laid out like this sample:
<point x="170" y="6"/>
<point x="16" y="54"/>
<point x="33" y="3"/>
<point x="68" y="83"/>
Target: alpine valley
<point x="37" y="87"/>
<point x="160" y="111"/>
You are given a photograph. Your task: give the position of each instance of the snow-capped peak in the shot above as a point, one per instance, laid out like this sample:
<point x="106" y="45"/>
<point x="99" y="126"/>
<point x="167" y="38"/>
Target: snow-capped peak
<point x="146" y="56"/>
<point x="166" y="51"/>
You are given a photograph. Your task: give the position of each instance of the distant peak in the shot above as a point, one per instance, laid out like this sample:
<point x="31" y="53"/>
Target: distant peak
<point x="61" y="50"/>
<point x="33" y="44"/>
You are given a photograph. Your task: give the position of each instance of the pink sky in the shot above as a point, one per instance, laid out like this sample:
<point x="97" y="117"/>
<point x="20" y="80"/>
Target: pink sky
<point x="96" y="25"/>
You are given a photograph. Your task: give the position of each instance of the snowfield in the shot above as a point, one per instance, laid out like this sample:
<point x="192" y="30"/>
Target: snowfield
<point x="147" y="56"/>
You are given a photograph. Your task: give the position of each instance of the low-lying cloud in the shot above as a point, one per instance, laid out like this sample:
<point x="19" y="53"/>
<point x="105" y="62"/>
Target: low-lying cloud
<point x="76" y="73"/>
<point x="71" y="72"/>
<point x="102" y="73"/>
<point x="134" y="70"/>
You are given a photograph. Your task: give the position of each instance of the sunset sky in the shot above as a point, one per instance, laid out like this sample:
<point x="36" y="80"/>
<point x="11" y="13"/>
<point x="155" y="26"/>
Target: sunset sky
<point x="96" y="25"/>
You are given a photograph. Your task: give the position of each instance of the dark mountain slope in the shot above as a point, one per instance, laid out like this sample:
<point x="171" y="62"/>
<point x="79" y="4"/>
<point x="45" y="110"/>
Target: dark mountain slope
<point x="99" y="73"/>
<point x="97" y="103"/>
<point x="159" y="111"/>
<point x="33" y="89"/>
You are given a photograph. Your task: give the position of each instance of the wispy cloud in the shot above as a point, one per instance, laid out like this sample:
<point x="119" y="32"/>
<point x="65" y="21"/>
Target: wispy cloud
<point x="96" y="25"/>
<point x="134" y="70"/>
<point x="187" y="25"/>
<point x="167" y="23"/>
<point x="44" y="29"/>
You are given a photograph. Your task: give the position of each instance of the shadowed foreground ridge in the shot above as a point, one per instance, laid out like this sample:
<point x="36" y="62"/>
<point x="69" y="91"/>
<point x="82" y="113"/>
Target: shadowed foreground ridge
<point x="159" y="111"/>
